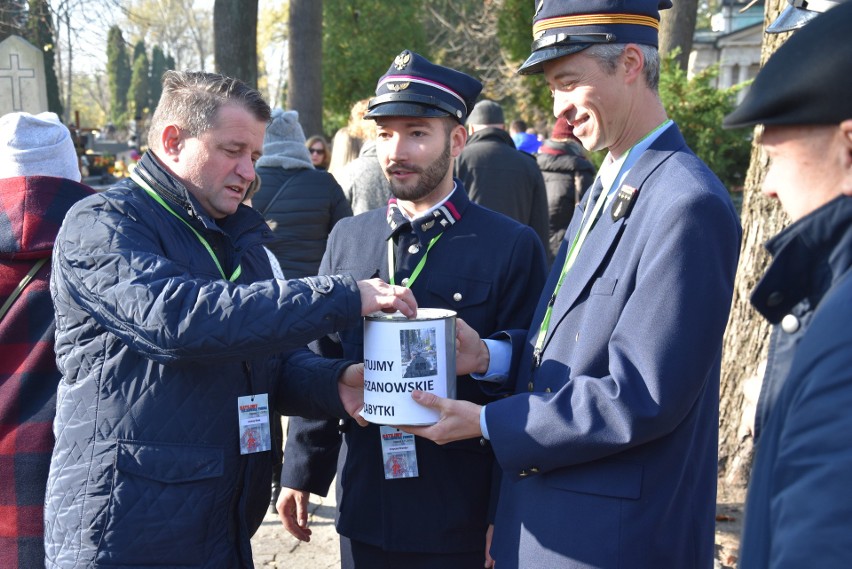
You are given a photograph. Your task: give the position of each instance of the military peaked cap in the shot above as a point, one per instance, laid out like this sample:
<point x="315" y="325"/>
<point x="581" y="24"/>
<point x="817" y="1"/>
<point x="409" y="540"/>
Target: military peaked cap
<point x="416" y="87"/>
<point x="563" y="27"/>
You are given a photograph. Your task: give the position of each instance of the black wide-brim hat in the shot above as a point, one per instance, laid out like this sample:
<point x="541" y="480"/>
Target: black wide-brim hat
<point x="416" y="87"/>
<point x="563" y="27"/>
<point x="807" y="81"/>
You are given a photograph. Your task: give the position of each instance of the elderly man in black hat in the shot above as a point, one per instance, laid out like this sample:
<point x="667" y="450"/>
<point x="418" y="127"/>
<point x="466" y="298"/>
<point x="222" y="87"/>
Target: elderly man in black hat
<point x="453" y="254"/>
<point x="609" y="443"/>
<point x="799" y="507"/>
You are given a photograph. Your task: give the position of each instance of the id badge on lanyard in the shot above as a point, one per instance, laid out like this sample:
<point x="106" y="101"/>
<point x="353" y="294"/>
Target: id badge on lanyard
<point x="253" y="412"/>
<point x="398" y="453"/>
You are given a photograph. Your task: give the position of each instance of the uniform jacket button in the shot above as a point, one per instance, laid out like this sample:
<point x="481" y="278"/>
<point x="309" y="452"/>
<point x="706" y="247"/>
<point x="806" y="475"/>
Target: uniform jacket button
<point x="457" y="297"/>
<point x="414" y="249"/>
<point x="790" y="324"/>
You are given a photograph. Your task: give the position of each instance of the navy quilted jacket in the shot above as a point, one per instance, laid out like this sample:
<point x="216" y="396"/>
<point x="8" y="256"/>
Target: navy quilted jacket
<point x="154" y="348"/>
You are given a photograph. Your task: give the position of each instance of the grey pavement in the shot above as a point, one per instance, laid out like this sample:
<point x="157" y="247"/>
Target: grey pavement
<point x="274" y="548"/>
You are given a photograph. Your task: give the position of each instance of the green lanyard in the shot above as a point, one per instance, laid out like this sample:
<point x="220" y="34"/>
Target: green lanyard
<point x="236" y="274"/>
<point x="579" y="239"/>
<point x="410" y="280"/>
<point x="569" y="262"/>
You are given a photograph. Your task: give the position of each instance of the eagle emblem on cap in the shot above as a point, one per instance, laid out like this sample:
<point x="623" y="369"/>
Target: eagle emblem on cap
<point x="401" y="60"/>
<point x="398" y="86"/>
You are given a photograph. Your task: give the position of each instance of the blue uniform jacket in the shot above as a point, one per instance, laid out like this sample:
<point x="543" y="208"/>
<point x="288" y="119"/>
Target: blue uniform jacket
<point x="609" y="446"/>
<point x="799" y="503"/>
<point x="490" y="270"/>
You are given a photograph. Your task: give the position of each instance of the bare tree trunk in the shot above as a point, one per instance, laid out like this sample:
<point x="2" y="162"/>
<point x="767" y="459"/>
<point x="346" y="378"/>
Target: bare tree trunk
<point x="677" y="27"/>
<point x="304" y="76"/>
<point x="235" y="39"/>
<point x="747" y="338"/>
<point x="69" y="78"/>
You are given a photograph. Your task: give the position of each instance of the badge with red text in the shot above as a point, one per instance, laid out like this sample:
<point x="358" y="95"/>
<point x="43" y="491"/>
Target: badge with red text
<point x="399" y="453"/>
<point x="253" y="411"/>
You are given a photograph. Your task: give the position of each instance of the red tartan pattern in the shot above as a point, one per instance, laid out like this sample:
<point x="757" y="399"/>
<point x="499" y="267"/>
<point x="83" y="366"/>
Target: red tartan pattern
<point x="31" y="211"/>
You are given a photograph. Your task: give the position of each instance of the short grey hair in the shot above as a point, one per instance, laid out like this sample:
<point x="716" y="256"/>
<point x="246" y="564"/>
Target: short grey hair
<point x="607" y="55"/>
<point x="192" y="99"/>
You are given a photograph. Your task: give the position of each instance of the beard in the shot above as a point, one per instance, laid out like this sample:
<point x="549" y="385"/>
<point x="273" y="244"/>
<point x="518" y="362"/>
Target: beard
<point x="427" y="180"/>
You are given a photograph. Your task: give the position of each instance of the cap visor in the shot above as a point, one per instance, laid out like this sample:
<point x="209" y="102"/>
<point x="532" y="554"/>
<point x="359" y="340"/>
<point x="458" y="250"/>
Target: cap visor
<point x="401" y="109"/>
<point x="790" y="19"/>
<point x="534" y="62"/>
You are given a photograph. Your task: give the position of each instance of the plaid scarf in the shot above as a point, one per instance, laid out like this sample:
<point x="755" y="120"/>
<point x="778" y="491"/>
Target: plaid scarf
<point x="31" y="211"/>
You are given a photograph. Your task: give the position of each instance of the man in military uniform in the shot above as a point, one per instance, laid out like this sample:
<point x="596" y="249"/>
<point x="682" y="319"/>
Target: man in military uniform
<point x="609" y="444"/>
<point x="799" y="507"/>
<point x="453" y="254"/>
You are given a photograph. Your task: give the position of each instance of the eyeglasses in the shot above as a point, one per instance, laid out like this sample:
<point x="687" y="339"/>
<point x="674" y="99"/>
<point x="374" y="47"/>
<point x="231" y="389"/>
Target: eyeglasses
<point x="317" y="150"/>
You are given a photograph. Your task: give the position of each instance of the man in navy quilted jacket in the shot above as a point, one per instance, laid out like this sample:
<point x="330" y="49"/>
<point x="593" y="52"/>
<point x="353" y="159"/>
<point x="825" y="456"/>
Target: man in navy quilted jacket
<point x="169" y="334"/>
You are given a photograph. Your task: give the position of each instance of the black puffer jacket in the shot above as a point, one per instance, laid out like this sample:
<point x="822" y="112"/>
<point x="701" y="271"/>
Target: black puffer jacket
<point x="301" y="215"/>
<point x="567" y="174"/>
<point x="502" y="178"/>
<point x="155" y="348"/>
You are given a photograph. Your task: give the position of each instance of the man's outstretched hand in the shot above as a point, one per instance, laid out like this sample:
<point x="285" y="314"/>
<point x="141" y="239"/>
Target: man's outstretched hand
<point x="459" y="419"/>
<point x="378" y="295"/>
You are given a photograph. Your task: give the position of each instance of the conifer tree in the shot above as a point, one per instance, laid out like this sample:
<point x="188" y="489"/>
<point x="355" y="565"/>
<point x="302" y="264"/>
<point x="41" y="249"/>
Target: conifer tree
<point x="139" y="93"/>
<point x="118" y="74"/>
<point x="40" y="32"/>
<point x="155" y="85"/>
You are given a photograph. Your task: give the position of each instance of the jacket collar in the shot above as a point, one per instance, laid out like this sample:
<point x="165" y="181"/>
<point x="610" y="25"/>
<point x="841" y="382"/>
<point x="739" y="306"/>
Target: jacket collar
<point x="162" y="181"/>
<point x="433" y="223"/>
<point x="808" y="257"/>
<point x="560" y="148"/>
<point x="491" y="133"/>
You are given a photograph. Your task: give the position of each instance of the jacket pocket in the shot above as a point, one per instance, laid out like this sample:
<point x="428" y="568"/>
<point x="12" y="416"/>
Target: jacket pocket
<point x="604" y="286"/>
<point x="458" y="292"/>
<point x="161" y="504"/>
<point x="614" y="479"/>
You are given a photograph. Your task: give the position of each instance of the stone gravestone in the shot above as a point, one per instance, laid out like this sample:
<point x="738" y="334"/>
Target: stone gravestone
<point x="22" y="82"/>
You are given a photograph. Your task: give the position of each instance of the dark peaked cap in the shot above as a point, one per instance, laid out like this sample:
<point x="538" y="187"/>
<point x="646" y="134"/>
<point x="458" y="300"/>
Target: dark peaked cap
<point x="563" y="27"/>
<point x="807" y="81"/>
<point x="416" y="87"/>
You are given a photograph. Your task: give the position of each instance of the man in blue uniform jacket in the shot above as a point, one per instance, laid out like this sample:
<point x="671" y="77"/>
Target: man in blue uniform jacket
<point x="799" y="506"/>
<point x="608" y="446"/>
<point x="454" y="255"/>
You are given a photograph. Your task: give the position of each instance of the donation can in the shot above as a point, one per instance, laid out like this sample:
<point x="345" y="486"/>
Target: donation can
<point x="403" y="354"/>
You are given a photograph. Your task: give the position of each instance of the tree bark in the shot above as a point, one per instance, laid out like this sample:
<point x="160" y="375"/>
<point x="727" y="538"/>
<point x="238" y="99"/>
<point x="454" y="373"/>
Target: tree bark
<point x="235" y="39"/>
<point x="746" y="340"/>
<point x="677" y="27"/>
<point x="304" y="74"/>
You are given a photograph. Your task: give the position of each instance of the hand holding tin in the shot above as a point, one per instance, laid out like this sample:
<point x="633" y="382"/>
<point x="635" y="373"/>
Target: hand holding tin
<point x="378" y="295"/>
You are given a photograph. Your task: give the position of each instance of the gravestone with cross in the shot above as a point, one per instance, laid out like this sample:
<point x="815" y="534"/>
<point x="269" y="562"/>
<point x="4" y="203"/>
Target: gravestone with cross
<point x="22" y="82"/>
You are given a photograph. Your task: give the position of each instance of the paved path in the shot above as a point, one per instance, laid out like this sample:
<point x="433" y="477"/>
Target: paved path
<point x="274" y="548"/>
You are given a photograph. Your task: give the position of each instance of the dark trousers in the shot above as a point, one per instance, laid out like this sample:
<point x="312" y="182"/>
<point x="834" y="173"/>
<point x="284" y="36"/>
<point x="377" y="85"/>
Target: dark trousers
<point x="360" y="555"/>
